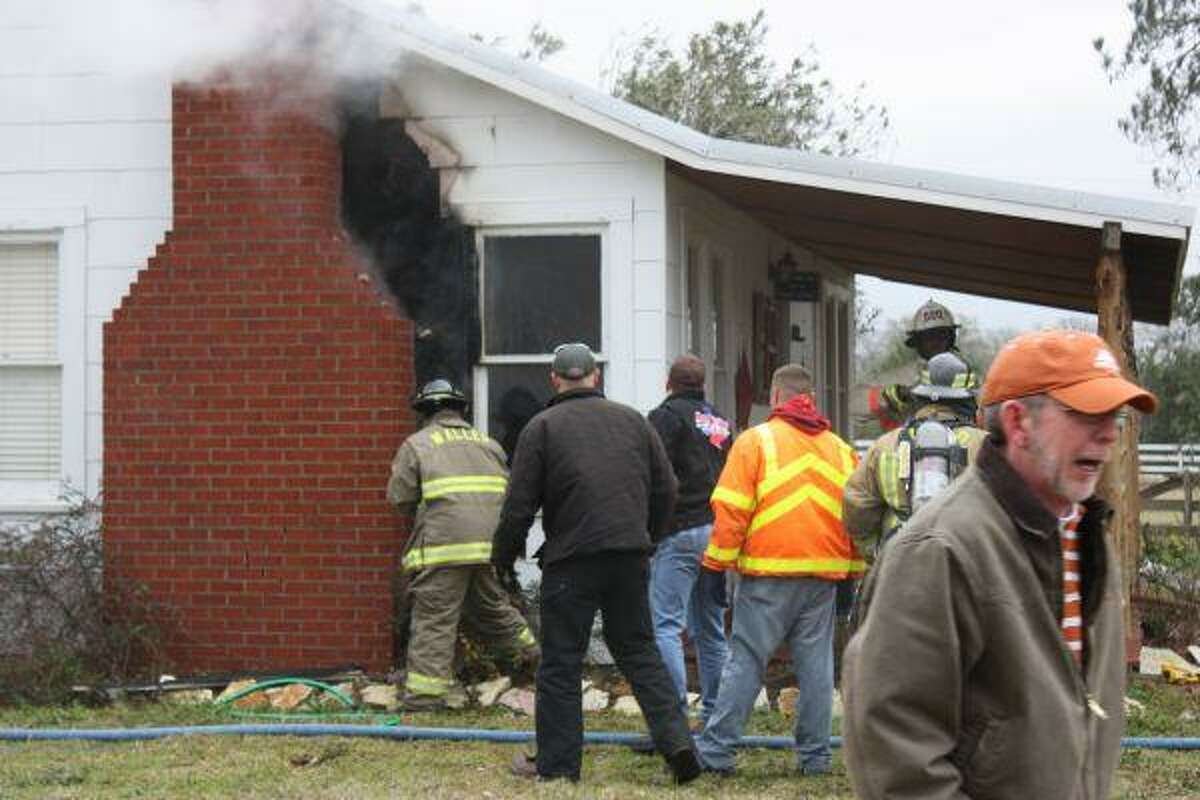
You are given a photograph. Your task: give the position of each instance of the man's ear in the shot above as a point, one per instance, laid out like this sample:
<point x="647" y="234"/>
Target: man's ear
<point x="1017" y="422"/>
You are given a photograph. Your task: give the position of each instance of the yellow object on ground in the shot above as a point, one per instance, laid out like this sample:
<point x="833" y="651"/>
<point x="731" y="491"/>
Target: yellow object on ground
<point x="1175" y="674"/>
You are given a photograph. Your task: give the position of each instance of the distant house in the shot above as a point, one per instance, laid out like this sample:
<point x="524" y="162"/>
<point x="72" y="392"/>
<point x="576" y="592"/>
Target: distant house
<point x="215" y="301"/>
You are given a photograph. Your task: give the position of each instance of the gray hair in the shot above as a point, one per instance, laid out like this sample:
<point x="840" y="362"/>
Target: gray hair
<point x="791" y="380"/>
<point x="991" y="416"/>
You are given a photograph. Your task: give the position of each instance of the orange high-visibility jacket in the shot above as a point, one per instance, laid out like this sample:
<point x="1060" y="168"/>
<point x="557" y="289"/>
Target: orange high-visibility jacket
<point x="778" y="505"/>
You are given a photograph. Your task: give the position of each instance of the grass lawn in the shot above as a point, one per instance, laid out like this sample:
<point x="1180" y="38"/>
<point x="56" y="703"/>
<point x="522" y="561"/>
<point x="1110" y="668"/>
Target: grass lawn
<point x="300" y="767"/>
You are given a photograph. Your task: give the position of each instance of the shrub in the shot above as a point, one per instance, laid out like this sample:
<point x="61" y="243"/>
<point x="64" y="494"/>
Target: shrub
<point x="1170" y="586"/>
<point x="60" y="625"/>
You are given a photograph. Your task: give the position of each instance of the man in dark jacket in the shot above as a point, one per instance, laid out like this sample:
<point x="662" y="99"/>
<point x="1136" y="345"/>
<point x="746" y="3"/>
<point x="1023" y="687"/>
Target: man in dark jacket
<point x="604" y="484"/>
<point x="697" y="439"/>
<point x="1000" y="602"/>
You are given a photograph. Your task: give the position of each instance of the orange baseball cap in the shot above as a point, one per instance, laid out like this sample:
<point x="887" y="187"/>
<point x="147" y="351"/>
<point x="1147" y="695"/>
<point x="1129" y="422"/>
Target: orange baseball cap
<point x="1075" y="368"/>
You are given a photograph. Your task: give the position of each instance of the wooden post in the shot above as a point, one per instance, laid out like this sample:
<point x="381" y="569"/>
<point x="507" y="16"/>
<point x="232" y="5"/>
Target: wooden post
<point x="1119" y="485"/>
<point x="1187" y="500"/>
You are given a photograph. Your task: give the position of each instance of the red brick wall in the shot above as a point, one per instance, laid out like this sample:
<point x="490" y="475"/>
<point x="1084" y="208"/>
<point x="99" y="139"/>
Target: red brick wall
<point x="255" y="389"/>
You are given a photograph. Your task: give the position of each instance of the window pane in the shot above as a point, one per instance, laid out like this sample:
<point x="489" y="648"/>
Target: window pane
<point x="540" y="291"/>
<point x="30" y="405"/>
<point x="30" y="383"/>
<point x="28" y="301"/>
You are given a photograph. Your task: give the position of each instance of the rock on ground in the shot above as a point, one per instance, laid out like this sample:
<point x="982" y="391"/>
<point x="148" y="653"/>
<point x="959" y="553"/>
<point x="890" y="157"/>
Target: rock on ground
<point x="786" y="701"/>
<point x="188" y="697"/>
<point x="233" y="689"/>
<point x="521" y="701"/>
<point x="488" y="692"/>
<point x="286" y="698"/>
<point x="594" y="699"/>
<point x="1153" y="658"/>
<point x="627" y="704"/>
<point x="381" y="695"/>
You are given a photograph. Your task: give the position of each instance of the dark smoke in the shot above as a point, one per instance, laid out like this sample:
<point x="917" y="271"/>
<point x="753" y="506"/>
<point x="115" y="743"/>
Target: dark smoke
<point x="390" y="204"/>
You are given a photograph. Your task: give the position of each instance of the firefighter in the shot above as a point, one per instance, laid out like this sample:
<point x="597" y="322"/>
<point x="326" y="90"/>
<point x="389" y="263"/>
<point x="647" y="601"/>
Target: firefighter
<point x="904" y="467"/>
<point x="455" y="478"/>
<point x="933" y="331"/>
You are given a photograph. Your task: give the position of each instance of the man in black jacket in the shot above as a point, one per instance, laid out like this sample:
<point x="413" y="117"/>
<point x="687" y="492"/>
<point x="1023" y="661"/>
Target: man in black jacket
<point x="697" y="439"/>
<point x="604" y="484"/>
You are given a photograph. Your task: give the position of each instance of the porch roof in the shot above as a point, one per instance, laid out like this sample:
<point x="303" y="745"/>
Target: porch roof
<point x="985" y="237"/>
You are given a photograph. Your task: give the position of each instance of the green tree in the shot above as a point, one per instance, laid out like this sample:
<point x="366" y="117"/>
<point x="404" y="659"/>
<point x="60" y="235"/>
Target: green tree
<point x="883" y="353"/>
<point x="1163" y="52"/>
<point x="1169" y="366"/>
<point x="724" y="84"/>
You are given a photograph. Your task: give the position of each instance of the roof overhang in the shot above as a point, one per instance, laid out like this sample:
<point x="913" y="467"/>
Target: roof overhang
<point x="987" y="247"/>
<point x="991" y="238"/>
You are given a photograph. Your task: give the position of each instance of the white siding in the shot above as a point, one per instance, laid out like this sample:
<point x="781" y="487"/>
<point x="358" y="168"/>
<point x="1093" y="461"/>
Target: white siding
<point x="84" y="157"/>
<point x="697" y="218"/>
<point x="522" y="165"/>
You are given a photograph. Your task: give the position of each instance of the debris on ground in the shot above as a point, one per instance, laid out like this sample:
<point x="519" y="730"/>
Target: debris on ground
<point x="1174" y="674"/>
<point x="488" y="692"/>
<point x="521" y="701"/>
<point x="627" y="704"/>
<point x="381" y="695"/>
<point x="1153" y="660"/>
<point x="188" y="697"/>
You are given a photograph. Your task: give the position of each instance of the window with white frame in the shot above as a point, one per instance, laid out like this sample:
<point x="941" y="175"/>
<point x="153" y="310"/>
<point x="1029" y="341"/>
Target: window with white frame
<point x="30" y="368"/>
<point x="538" y="290"/>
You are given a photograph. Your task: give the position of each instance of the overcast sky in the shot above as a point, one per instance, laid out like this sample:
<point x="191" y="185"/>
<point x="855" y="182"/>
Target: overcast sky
<point x="1010" y="90"/>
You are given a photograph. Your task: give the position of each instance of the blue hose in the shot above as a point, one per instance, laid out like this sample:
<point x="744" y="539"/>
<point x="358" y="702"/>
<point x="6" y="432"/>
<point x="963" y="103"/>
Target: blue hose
<point x="402" y="732"/>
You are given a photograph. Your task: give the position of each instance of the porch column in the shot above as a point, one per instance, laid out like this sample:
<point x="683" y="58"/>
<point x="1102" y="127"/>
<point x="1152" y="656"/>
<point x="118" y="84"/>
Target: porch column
<point x="1119" y="484"/>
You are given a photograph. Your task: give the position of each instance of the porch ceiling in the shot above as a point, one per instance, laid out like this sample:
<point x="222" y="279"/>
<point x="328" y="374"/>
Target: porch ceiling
<point x="999" y="255"/>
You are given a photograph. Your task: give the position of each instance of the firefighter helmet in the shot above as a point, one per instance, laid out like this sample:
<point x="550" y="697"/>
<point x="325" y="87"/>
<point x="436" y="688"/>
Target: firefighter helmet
<point x="949" y="378"/>
<point x="437" y="394"/>
<point x="930" y="316"/>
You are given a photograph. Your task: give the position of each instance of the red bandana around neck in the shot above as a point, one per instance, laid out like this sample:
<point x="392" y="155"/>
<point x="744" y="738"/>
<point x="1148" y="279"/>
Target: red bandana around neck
<point x="801" y="412"/>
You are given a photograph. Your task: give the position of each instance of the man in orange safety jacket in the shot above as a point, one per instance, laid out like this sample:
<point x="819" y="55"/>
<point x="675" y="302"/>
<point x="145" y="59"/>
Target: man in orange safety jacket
<point x="778" y="508"/>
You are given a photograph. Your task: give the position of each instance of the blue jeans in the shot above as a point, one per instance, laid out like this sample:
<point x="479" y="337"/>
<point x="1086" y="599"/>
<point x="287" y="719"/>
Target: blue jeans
<point x="675" y="602"/>
<point x="766" y="612"/>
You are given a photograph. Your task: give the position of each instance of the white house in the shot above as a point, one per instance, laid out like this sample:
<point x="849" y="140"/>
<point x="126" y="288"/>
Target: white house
<point x="683" y="246"/>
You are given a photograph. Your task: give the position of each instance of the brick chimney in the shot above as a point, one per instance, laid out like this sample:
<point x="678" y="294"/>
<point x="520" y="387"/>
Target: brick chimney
<point x="255" y="389"/>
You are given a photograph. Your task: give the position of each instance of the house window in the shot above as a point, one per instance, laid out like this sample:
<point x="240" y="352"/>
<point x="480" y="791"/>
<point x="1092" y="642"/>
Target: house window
<point x="538" y="291"/>
<point x="30" y="368"/>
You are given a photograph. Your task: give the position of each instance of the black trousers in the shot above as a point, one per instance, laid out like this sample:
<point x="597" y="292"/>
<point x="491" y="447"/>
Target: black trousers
<point x="615" y="584"/>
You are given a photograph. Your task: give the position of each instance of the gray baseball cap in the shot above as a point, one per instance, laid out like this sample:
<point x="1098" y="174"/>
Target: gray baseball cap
<point x="573" y="361"/>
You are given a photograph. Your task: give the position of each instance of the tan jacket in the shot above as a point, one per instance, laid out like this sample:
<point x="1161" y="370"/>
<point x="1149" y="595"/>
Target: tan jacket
<point x="958" y="683"/>
<point x="875" y="499"/>
<point x="455" y="478"/>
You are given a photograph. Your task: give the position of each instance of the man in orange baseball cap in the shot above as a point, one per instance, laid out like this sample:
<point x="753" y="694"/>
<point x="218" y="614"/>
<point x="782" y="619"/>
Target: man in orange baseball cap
<point x="1002" y="601"/>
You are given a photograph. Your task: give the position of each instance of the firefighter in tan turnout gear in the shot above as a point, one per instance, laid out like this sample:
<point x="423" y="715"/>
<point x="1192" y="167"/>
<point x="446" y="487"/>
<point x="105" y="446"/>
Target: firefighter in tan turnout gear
<point x="455" y="478"/>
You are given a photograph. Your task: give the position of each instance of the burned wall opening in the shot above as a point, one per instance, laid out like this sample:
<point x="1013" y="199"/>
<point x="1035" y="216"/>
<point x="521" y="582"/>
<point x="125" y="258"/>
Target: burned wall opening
<point x="392" y="205"/>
